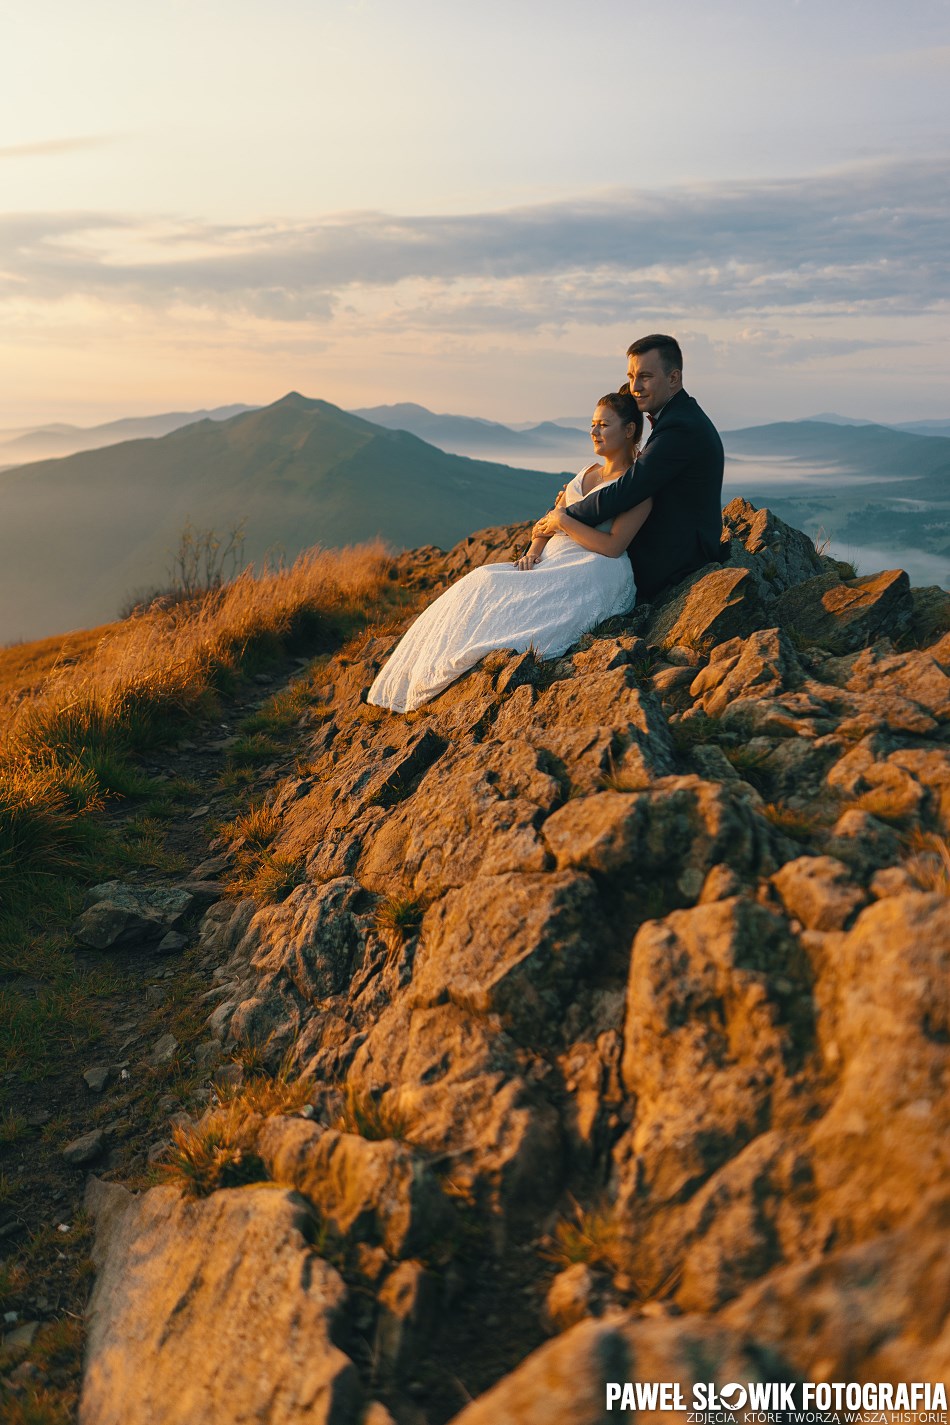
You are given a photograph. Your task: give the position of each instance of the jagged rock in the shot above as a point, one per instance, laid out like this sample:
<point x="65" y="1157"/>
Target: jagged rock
<point x="862" y="841"/>
<point x="306" y="948"/>
<point x="763" y="663"/>
<point x="513" y="945"/>
<point x="564" y="1383"/>
<point x="778" y="555"/>
<point x="819" y="891"/>
<point x="164" y="1051"/>
<point x="172" y="943"/>
<point x="751" y="1214"/>
<point x="871" y="1312"/>
<point x="753" y="1085"/>
<point x="186" y="1292"/>
<point x="680" y="828"/>
<point x="474" y="813"/>
<point x="602" y="722"/>
<point x="931" y="613"/>
<point x="707" y="609"/>
<point x="97" y="1078"/>
<point x="884" y="1007"/>
<point x="607" y="653"/>
<point x="222" y="927"/>
<point x="847" y="614"/>
<point x="458" y="1084"/>
<point x="122" y="915"/>
<point x="370" y="1190"/>
<point x="716" y="1012"/>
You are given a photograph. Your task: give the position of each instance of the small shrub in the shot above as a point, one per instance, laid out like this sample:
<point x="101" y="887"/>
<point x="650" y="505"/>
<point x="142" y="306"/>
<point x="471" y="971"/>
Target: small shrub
<point x="264" y="1093"/>
<point x="13" y="1127"/>
<point x="254" y="748"/>
<point x="280" y="714"/>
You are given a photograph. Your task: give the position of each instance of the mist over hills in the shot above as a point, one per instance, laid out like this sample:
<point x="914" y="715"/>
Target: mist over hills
<point x="60" y="438"/>
<point x="468" y="435"/>
<point x="876" y="495"/>
<point x="79" y="533"/>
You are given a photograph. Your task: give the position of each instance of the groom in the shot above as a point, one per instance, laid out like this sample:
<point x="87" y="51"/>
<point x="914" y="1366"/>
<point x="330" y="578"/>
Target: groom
<point x="680" y="467"/>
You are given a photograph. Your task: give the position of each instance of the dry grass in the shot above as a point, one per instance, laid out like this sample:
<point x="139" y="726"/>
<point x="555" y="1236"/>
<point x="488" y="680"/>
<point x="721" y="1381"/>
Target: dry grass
<point x="216" y="1153"/>
<point x="73" y="738"/>
<point x="375" y="1119"/>
<point x="399" y="917"/>
<point x="588" y="1235"/>
<point x="796" y="825"/>
<point x="930" y="865"/>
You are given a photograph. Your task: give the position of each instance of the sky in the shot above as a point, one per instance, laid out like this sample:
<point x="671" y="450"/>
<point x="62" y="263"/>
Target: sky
<point x="475" y="207"/>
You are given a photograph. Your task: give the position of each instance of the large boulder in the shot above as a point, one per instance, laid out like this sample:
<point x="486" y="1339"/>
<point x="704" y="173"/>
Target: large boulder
<point x="216" y="1311"/>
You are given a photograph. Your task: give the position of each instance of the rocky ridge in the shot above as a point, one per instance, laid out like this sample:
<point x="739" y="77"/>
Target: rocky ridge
<point x="619" y="989"/>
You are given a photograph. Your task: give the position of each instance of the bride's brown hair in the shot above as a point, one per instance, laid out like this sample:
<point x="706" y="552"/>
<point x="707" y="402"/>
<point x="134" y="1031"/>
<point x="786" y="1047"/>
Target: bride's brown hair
<point x="626" y="408"/>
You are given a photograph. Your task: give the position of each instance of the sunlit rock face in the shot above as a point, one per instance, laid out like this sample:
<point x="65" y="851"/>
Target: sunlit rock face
<point x="619" y="987"/>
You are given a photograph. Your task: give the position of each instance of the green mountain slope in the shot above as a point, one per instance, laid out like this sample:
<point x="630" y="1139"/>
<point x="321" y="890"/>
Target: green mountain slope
<point x="77" y="534"/>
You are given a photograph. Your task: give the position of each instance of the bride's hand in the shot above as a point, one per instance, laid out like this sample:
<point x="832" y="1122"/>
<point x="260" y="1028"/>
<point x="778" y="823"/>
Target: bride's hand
<point x="527" y="561"/>
<point x="546" y="526"/>
<point x="561" y="498"/>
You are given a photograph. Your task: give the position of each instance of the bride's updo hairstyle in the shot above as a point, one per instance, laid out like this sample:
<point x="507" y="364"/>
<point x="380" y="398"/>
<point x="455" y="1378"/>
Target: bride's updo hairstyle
<point x="626" y="408"/>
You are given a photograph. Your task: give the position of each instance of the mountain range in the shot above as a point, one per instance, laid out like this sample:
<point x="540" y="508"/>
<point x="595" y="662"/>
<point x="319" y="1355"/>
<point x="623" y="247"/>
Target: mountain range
<point x="80" y="533"/>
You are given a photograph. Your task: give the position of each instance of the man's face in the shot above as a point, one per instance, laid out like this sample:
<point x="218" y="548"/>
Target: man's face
<point x="651" y="386"/>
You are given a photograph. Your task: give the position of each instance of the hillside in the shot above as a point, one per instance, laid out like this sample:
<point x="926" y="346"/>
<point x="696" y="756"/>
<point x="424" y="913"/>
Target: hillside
<point x="589" y="1024"/>
<point x="79" y="534"/>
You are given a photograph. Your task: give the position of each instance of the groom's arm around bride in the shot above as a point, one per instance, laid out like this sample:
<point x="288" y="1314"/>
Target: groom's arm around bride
<point x="680" y="467"/>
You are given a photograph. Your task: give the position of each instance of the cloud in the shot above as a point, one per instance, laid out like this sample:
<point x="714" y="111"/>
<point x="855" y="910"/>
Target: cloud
<point x="52" y="148"/>
<point x="871" y="237"/>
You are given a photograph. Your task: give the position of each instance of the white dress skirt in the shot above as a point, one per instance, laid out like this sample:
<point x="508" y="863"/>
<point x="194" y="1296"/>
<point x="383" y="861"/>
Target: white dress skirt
<point x="546" y="608"/>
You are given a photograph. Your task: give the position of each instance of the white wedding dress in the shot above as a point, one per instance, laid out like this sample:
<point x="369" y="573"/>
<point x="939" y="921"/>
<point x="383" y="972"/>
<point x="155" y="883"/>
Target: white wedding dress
<point x="546" y="608"/>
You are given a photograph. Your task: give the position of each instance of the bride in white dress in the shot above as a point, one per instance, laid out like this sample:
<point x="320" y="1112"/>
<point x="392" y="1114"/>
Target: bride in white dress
<point x="570" y="578"/>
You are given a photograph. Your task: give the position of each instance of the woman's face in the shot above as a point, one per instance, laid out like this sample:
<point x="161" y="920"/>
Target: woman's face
<point x="608" y="432"/>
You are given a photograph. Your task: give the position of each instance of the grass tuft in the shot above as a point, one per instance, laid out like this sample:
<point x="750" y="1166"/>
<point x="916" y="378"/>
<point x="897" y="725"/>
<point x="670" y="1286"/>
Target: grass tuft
<point x="371" y="1118"/>
<point x="591" y="1236"/>
<point x="216" y="1154"/>
<point x="399" y="917"/>
<point x="796" y="825"/>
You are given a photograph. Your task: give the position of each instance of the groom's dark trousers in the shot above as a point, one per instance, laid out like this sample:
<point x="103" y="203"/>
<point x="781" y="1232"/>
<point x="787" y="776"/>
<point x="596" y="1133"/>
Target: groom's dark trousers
<point x="680" y="466"/>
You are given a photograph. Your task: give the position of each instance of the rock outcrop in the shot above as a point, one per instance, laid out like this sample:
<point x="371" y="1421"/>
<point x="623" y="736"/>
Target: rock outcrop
<point x="636" y="961"/>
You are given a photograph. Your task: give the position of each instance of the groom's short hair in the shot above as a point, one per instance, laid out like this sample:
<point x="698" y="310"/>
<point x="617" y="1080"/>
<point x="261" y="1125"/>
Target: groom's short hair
<point x="666" y="347"/>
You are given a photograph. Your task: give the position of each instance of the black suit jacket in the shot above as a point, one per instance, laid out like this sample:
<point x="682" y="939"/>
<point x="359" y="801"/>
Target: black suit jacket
<point x="680" y="466"/>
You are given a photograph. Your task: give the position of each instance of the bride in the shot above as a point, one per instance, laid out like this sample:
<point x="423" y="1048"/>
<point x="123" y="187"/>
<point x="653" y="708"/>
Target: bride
<point x="570" y="578"/>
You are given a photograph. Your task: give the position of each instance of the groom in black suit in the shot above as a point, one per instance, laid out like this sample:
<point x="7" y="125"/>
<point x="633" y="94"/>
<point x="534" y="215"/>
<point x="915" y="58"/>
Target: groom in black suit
<point x="680" y="467"/>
